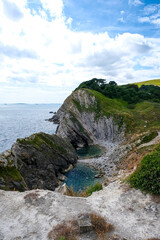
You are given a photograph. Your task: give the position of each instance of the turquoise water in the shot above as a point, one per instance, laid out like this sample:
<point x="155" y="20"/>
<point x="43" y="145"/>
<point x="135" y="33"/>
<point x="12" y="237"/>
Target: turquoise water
<point x="81" y="176"/>
<point x="89" y="151"/>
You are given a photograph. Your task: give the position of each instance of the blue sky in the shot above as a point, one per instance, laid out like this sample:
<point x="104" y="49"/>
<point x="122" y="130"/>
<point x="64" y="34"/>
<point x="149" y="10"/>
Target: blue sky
<point x="47" y="47"/>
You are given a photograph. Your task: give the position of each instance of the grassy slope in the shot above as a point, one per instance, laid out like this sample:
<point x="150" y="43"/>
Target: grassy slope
<point x="145" y="116"/>
<point x="155" y="82"/>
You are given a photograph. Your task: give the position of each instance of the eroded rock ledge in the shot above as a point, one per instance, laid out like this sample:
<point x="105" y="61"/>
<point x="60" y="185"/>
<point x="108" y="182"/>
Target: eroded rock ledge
<point x="36" y="162"/>
<point x="134" y="215"/>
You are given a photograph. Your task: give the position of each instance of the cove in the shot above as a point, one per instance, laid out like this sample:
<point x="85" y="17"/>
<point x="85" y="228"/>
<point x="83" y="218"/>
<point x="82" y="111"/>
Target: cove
<point x="81" y="176"/>
<point x="89" y="151"/>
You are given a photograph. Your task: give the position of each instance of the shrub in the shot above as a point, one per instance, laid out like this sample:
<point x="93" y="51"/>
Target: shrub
<point x="149" y="137"/>
<point x="95" y="188"/>
<point x="100" y="225"/>
<point x="84" y="193"/>
<point x="61" y="238"/>
<point x="67" y="230"/>
<point x="147" y="176"/>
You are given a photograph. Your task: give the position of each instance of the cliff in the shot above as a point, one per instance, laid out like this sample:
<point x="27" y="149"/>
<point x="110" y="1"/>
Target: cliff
<point x="34" y="214"/>
<point x="127" y="131"/>
<point x="85" y="119"/>
<point x="36" y="162"/>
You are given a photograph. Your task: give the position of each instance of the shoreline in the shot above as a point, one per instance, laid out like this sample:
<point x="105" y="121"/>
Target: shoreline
<point x="107" y="162"/>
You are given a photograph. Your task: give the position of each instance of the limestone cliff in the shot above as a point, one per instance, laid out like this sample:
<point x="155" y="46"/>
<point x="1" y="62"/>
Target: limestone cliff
<point x="82" y="120"/>
<point x="39" y="160"/>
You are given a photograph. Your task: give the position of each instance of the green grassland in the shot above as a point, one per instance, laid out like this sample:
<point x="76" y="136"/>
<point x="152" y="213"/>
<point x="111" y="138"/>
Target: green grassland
<point x="155" y="82"/>
<point x="142" y="117"/>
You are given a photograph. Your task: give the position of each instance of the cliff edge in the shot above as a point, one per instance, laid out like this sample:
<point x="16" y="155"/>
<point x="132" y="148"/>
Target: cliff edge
<point x="84" y="118"/>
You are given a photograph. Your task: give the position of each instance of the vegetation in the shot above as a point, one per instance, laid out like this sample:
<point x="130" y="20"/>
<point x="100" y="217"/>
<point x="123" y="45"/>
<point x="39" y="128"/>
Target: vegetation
<point x="155" y="82"/>
<point x="149" y="137"/>
<point x="147" y="176"/>
<point x="97" y="187"/>
<point x="130" y="93"/>
<point x="39" y="139"/>
<point x="140" y="117"/>
<point x="100" y="225"/>
<point x="84" y="193"/>
<point x="68" y="230"/>
<point x="10" y="173"/>
<point x="12" y="178"/>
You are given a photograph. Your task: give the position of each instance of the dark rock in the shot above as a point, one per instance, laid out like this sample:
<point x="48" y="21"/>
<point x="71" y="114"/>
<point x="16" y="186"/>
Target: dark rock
<point x="18" y="186"/>
<point x="41" y="158"/>
<point x="54" y="119"/>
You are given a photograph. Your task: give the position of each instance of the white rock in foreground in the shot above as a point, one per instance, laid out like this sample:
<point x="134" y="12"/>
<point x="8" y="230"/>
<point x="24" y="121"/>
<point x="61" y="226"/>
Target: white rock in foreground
<point x="31" y="215"/>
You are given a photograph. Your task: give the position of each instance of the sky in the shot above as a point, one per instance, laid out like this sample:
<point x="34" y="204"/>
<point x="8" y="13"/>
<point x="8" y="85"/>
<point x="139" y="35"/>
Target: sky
<point x="48" y="47"/>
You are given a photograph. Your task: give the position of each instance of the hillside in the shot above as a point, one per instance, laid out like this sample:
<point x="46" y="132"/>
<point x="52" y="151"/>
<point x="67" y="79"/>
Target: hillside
<point x="90" y="116"/>
<point x="130" y="136"/>
<point x="155" y="82"/>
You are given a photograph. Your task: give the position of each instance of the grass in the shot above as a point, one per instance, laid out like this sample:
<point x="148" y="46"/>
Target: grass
<point x="84" y="193"/>
<point x="149" y="82"/>
<point x="99" y="224"/>
<point x="67" y="230"/>
<point x="10" y="173"/>
<point x="144" y="115"/>
<point x="39" y="139"/>
<point x="149" y="137"/>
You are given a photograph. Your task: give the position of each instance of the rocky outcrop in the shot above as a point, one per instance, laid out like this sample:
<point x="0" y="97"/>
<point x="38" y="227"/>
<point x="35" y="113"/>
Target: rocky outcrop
<point x="34" y="214"/>
<point x="40" y="159"/>
<point x="82" y="121"/>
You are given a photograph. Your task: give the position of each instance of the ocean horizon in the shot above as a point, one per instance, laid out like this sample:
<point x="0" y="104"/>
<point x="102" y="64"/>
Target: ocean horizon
<point x="19" y="120"/>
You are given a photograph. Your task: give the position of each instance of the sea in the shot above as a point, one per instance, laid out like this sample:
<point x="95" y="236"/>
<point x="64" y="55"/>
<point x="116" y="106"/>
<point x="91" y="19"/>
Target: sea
<point x="22" y="120"/>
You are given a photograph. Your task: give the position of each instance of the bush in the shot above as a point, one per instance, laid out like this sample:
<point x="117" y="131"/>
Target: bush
<point x="67" y="230"/>
<point x="84" y="193"/>
<point x="147" y="176"/>
<point x="95" y="188"/>
<point x="149" y="137"/>
<point x="100" y="225"/>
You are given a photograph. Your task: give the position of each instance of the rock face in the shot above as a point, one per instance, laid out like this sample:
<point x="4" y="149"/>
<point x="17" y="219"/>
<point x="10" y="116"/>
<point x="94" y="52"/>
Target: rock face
<point x="82" y="122"/>
<point x="33" y="214"/>
<point x="41" y="158"/>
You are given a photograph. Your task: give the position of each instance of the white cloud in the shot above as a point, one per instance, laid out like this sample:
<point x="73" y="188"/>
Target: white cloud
<point x="69" y="21"/>
<point x="121" y="19"/>
<point x="55" y="7"/>
<point x="135" y="2"/>
<point x="156" y="21"/>
<point x="144" y="19"/>
<point x="41" y="53"/>
<point x="151" y="14"/>
<point x="149" y="9"/>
